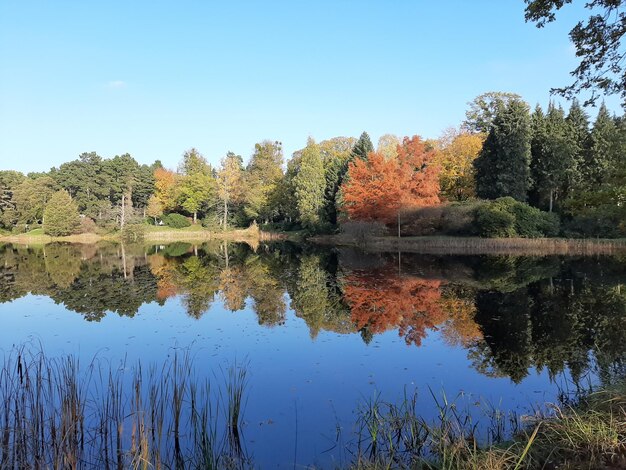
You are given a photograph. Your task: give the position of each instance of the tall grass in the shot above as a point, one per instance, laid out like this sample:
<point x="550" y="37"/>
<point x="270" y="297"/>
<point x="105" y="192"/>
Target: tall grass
<point x="56" y="414"/>
<point x="442" y="245"/>
<point x="590" y="435"/>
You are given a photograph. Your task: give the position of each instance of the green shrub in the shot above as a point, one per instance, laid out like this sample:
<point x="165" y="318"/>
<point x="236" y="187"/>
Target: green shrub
<point x="492" y="221"/>
<point x="520" y="220"/>
<point x="550" y="224"/>
<point x="175" y="220"/>
<point x="600" y="222"/>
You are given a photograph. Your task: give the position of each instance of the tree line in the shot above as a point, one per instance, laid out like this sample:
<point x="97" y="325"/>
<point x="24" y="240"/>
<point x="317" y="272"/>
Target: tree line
<point x="543" y="161"/>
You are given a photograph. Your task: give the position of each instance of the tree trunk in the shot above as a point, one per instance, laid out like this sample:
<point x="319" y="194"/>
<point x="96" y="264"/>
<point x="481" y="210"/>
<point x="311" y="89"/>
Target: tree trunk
<point x="195" y="218"/>
<point x="398" y="224"/>
<point x="225" y="213"/>
<point x="123" y="215"/>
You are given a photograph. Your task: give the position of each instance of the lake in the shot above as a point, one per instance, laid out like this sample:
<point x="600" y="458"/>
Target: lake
<point x="322" y="331"/>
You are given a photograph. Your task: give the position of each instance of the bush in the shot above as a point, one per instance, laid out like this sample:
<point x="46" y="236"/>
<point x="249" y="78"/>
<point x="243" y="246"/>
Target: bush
<point x="421" y="221"/>
<point x="492" y="221"/>
<point x="87" y="225"/>
<point x="550" y="224"/>
<point x="458" y="218"/>
<point x="506" y="217"/>
<point x="601" y="222"/>
<point x="175" y="220"/>
<point x="361" y="230"/>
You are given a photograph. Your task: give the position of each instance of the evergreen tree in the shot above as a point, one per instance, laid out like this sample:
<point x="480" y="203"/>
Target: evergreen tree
<point x="599" y="162"/>
<point x="61" y="215"/>
<point x="336" y="153"/>
<point x="310" y="185"/>
<point x="503" y="166"/>
<point x="578" y="136"/>
<point x="552" y="156"/>
<point x="362" y="148"/>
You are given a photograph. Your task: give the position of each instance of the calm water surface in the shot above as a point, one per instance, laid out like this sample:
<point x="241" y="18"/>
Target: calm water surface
<point x="322" y="330"/>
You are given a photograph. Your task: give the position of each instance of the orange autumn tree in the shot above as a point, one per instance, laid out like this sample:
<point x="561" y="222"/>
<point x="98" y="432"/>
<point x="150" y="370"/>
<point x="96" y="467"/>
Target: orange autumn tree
<point x="380" y="300"/>
<point x="379" y="188"/>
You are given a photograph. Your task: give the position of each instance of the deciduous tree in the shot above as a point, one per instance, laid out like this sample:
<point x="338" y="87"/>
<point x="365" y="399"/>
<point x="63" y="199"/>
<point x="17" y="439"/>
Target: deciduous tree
<point x="230" y="183"/>
<point x="165" y="188"/>
<point x="484" y="108"/>
<point x="380" y="188"/>
<point x="31" y="197"/>
<point x="599" y="45"/>
<point x="263" y="173"/>
<point x="456" y="152"/>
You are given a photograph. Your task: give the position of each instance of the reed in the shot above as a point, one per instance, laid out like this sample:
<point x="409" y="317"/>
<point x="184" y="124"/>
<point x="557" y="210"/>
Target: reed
<point x="56" y="414"/>
<point x="482" y="246"/>
<point x="590" y="435"/>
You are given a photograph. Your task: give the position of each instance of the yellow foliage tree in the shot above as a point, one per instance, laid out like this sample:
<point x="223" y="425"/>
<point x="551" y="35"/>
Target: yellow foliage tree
<point x="165" y="182"/>
<point x="455" y="153"/>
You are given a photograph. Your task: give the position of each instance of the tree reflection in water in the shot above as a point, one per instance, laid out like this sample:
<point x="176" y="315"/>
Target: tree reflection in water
<point x="510" y="313"/>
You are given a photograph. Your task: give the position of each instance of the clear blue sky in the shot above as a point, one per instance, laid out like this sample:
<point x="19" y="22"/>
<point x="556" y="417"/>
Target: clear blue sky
<point x="154" y="78"/>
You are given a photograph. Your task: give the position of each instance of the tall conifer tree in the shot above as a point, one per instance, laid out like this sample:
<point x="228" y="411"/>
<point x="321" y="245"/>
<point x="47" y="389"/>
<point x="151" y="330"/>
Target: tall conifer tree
<point x="503" y="166"/>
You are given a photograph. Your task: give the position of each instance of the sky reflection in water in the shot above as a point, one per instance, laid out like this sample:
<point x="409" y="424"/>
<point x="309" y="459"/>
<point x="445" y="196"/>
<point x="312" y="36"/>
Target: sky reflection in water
<point x="322" y="330"/>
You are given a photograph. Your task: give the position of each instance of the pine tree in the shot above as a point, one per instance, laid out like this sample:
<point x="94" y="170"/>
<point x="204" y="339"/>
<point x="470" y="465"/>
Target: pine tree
<point x="503" y="166"/>
<point x="310" y="185"/>
<point x="578" y="136"/>
<point x="61" y="215"/>
<point x="552" y="156"/>
<point x="362" y="148"/>
<point x="600" y="158"/>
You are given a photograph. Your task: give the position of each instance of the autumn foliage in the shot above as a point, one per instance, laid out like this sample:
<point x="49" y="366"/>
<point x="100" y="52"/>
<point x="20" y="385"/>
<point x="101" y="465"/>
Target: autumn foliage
<point x="383" y="300"/>
<point x="165" y="188"/>
<point x="378" y="188"/>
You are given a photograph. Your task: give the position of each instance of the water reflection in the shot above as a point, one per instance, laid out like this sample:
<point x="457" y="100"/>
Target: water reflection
<point x="510" y="313"/>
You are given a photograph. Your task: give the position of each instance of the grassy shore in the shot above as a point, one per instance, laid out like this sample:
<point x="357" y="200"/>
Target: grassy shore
<point x="442" y="245"/>
<point x="589" y="435"/>
<point x="251" y="235"/>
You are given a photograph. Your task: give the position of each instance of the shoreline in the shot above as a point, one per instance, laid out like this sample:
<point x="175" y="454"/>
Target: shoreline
<point x="433" y="245"/>
<point x="443" y="245"/>
<point x="249" y="235"/>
